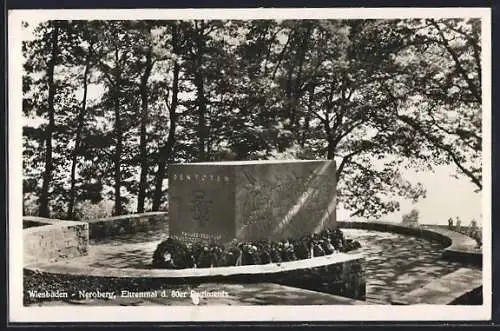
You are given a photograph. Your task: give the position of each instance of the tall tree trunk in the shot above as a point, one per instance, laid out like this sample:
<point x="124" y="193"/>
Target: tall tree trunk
<point x="307" y="120"/>
<point x="167" y="149"/>
<point x="165" y="153"/>
<point x="118" y="137"/>
<point x="330" y="140"/>
<point x="289" y="97"/>
<point x="143" y="144"/>
<point x="297" y="82"/>
<point x="44" y="210"/>
<point x="78" y="137"/>
<point x="200" y="99"/>
<point x="331" y="150"/>
<point x="202" y="109"/>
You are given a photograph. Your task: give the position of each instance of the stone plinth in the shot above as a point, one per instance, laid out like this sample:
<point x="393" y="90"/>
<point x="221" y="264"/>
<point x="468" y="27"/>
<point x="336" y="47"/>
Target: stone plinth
<point x="251" y="200"/>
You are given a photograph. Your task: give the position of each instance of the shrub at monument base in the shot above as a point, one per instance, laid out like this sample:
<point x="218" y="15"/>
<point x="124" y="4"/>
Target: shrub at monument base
<point x="163" y="257"/>
<point x="174" y="254"/>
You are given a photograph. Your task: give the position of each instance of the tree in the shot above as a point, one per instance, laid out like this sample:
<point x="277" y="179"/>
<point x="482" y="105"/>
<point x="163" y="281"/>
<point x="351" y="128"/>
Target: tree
<point x="47" y="175"/>
<point x="411" y="218"/>
<point x="165" y="152"/>
<point x="143" y="88"/>
<point x="117" y="66"/>
<point x="337" y="103"/>
<point x="361" y="98"/>
<point x="88" y="38"/>
<point x="444" y="74"/>
<point x="48" y="101"/>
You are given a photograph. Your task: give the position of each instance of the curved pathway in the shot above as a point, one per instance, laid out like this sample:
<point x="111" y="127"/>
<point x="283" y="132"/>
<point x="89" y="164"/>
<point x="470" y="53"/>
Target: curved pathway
<point x="397" y="264"/>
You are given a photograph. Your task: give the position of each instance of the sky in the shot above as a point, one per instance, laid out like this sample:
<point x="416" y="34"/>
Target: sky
<point x="446" y="197"/>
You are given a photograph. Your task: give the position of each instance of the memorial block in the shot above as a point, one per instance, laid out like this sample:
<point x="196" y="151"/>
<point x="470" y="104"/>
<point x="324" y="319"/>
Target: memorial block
<point x="251" y="200"/>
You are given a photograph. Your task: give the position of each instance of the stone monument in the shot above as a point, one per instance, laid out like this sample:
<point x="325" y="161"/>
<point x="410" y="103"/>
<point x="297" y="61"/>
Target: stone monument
<point x="251" y="200"/>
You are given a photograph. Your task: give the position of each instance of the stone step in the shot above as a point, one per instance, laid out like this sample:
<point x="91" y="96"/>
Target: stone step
<point x="376" y="297"/>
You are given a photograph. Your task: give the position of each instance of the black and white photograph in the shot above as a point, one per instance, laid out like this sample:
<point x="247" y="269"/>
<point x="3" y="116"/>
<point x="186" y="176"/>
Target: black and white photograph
<point x="249" y="164"/>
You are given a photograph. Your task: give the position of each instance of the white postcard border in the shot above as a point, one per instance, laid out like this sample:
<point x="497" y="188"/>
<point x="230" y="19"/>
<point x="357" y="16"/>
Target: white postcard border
<point x="19" y="313"/>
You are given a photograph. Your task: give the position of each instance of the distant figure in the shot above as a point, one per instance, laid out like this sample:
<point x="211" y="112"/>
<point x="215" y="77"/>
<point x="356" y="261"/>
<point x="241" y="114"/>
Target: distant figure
<point x="473" y="229"/>
<point x="479" y="239"/>
<point x="458" y="227"/>
<point x="473" y="224"/>
<point x="216" y="253"/>
<point x="450" y="223"/>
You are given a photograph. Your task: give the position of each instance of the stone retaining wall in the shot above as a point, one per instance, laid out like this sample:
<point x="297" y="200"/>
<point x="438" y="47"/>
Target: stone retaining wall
<point x="345" y="279"/>
<point x="341" y="274"/>
<point x="474" y="297"/>
<point x="458" y="247"/>
<point x="126" y="224"/>
<point x="472" y="258"/>
<point x="398" y="228"/>
<point x="54" y="239"/>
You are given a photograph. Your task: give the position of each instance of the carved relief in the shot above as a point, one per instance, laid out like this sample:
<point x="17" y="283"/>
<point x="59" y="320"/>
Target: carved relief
<point x="200" y="207"/>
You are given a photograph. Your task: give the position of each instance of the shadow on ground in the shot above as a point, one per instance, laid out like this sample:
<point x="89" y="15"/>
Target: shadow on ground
<point x="397" y="264"/>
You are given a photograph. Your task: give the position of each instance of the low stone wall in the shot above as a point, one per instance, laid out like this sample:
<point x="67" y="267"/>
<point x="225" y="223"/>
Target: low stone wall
<point x="338" y="274"/>
<point x="346" y="279"/>
<point x="54" y="239"/>
<point x="398" y="228"/>
<point x="126" y="224"/>
<point x="474" y="297"/>
<point x="456" y="254"/>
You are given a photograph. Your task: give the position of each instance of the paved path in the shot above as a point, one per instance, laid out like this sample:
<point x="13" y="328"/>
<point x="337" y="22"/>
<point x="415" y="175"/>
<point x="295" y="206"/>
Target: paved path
<point x="444" y="290"/>
<point x="397" y="264"/>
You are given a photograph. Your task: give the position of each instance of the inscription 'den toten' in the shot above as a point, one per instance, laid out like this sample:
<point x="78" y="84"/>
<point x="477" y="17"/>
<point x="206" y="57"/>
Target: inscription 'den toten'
<point x="200" y="178"/>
